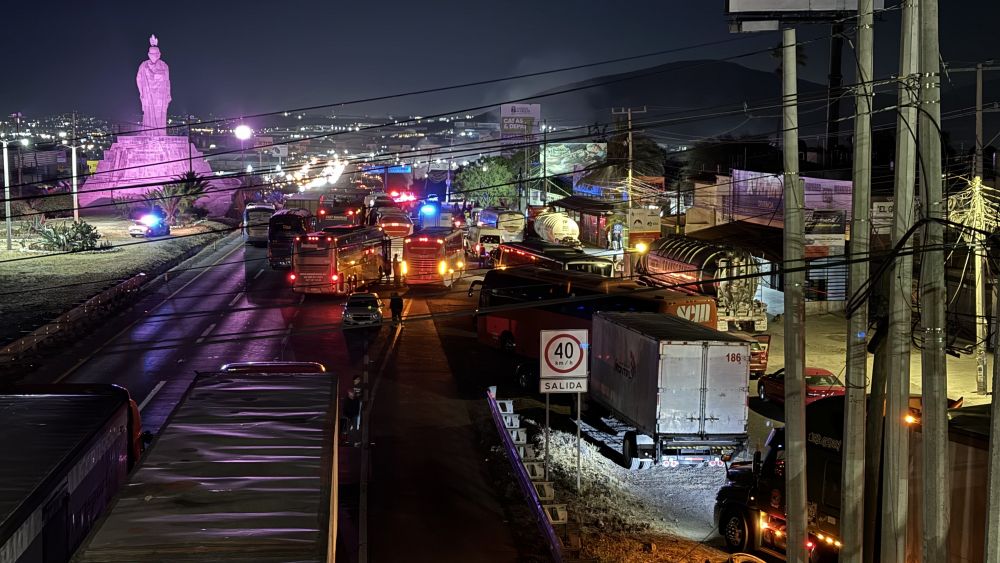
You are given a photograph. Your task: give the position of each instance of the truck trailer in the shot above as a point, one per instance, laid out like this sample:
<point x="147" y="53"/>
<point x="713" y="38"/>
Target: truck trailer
<point x="750" y="507"/>
<point x="682" y="385"/>
<point x="245" y="469"/>
<point x="67" y="451"/>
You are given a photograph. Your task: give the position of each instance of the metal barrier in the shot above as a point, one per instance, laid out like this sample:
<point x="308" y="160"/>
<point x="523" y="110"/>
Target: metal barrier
<point x="542" y="517"/>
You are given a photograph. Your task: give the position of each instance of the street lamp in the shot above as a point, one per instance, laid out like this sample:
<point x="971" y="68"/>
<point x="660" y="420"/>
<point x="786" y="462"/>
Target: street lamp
<point x="6" y="192"/>
<point x="243" y="132"/>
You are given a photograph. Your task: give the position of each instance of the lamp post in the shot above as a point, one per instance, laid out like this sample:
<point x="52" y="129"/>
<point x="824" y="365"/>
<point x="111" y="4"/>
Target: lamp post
<point x="6" y="192"/>
<point x="243" y="132"/>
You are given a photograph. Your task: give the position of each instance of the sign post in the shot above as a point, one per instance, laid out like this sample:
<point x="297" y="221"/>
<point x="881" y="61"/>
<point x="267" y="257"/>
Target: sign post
<point x="563" y="368"/>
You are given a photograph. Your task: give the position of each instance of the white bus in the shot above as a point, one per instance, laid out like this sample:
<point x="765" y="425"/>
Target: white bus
<point x="255" y="219"/>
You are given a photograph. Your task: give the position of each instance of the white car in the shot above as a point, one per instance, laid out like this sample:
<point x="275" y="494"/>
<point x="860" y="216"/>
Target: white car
<point x="363" y="309"/>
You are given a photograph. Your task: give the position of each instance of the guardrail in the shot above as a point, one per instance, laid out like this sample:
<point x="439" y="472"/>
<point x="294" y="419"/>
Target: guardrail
<point x="86" y="313"/>
<point x="528" y="487"/>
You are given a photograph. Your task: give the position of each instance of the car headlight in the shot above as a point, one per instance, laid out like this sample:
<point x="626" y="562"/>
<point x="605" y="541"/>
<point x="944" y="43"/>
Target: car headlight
<point x="347" y="315"/>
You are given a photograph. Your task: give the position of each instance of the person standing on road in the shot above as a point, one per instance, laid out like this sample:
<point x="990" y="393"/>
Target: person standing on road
<point x="397" y="269"/>
<point x="396" y="307"/>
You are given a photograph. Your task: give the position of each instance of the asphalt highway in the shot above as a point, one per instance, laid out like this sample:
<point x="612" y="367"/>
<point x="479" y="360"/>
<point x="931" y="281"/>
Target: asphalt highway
<point x="427" y="495"/>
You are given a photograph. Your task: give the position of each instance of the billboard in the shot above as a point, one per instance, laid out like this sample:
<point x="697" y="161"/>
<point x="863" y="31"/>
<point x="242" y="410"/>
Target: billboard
<point x="519" y="123"/>
<point x="805" y="8"/>
<point x="642" y="220"/>
<point x="567" y="158"/>
<point x="825" y="233"/>
<point x="758" y="197"/>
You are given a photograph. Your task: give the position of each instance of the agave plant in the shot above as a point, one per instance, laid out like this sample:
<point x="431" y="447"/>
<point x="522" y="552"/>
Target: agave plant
<point x="69" y="236"/>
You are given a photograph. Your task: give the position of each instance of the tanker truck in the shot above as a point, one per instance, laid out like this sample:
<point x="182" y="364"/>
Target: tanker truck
<point x="706" y="268"/>
<point x="557" y="228"/>
<point x="510" y="221"/>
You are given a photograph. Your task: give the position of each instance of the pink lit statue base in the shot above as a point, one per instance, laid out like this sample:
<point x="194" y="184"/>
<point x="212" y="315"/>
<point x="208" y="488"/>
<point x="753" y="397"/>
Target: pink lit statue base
<point x="136" y="164"/>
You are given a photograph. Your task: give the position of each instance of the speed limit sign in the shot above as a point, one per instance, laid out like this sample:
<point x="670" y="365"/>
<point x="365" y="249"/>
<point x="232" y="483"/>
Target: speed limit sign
<point x="563" y="360"/>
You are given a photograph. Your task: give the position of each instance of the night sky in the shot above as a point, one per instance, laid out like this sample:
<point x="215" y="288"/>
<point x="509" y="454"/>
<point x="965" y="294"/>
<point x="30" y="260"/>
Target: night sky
<point x="232" y="58"/>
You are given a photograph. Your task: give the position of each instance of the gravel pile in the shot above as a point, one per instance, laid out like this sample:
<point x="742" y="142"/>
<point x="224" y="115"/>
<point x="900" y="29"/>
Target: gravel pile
<point x="657" y="514"/>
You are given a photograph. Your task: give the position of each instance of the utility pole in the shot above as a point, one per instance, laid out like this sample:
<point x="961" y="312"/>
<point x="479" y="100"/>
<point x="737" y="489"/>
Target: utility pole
<point x="545" y="164"/>
<point x="895" y="453"/>
<point x="992" y="536"/>
<point x="76" y="193"/>
<point x="834" y="91"/>
<point x="853" y="471"/>
<point x="20" y="151"/>
<point x="629" y="112"/>
<point x="933" y="293"/>
<point x="795" y="341"/>
<point x="979" y="121"/>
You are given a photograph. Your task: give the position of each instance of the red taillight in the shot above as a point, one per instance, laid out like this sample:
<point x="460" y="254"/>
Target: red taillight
<point x="334" y="277"/>
<point x="291" y="277"/>
<point x="297" y="239"/>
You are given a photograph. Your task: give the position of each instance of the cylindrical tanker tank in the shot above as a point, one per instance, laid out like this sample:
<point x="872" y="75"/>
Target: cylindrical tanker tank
<point x="557" y="228"/>
<point x="694" y="266"/>
<point x="510" y="221"/>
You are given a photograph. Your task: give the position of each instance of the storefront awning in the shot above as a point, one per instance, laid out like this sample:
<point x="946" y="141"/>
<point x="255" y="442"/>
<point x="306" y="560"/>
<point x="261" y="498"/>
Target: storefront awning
<point x="589" y="205"/>
<point x="759" y="239"/>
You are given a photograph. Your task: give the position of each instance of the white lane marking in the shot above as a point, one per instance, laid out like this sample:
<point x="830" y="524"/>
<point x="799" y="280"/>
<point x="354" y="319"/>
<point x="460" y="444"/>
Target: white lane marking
<point x="235" y="299"/>
<point x="87" y="358"/>
<point x="152" y="394"/>
<point x="259" y="272"/>
<point x="205" y="332"/>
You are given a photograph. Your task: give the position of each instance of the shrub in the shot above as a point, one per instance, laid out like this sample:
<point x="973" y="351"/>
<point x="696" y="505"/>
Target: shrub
<point x="69" y="236"/>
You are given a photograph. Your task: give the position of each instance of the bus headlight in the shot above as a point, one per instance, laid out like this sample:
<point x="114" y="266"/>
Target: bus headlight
<point x="442" y="267"/>
<point x="402" y="267"/>
<point x="460" y="265"/>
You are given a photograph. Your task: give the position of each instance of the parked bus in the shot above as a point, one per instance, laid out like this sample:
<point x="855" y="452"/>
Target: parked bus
<point x="510" y="221"/>
<point x="396" y="225"/>
<point x="256" y="217"/>
<point x="337" y="260"/>
<point x="282" y="229"/>
<point x="515" y="304"/>
<point x="434" y="255"/>
<point x="552" y="257"/>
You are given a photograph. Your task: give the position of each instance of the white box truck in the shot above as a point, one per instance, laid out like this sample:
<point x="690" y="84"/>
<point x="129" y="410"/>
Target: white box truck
<point x="683" y="386"/>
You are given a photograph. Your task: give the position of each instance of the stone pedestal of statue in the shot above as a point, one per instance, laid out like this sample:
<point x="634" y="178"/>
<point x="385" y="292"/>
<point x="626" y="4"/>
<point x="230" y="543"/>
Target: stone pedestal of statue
<point x="139" y="163"/>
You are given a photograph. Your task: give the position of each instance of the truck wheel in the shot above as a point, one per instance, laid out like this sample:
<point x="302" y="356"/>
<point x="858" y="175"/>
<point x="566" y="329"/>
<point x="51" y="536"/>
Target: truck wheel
<point x="735" y="530"/>
<point x="760" y="391"/>
<point x="507" y="344"/>
<point x="630" y="452"/>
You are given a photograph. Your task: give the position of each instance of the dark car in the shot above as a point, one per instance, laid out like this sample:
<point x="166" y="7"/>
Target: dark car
<point x="819" y="383"/>
<point x="363" y="309"/>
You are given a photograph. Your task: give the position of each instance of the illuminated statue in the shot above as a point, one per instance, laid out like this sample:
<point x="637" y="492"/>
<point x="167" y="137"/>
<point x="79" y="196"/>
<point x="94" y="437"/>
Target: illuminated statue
<point x="138" y="162"/>
<point x="153" y="80"/>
